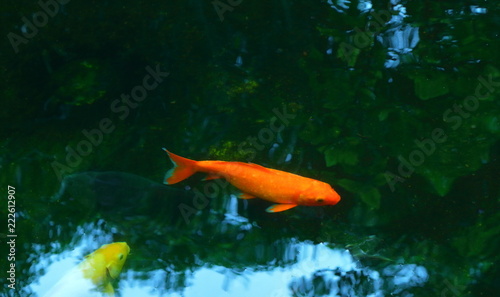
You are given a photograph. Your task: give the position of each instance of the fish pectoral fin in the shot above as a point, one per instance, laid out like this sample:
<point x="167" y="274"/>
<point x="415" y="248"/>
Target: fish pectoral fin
<point x="211" y="176"/>
<point x="280" y="207"/>
<point x="109" y="290"/>
<point x="245" y="196"/>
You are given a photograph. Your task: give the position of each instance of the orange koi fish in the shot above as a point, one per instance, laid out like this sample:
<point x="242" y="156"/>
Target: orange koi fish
<point x="285" y="189"/>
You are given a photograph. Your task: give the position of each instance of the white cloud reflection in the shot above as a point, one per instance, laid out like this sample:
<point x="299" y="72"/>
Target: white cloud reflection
<point x="313" y="260"/>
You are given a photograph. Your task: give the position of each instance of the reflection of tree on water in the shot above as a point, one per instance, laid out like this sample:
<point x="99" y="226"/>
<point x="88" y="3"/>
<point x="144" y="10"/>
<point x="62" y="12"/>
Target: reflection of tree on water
<point x="336" y="282"/>
<point x="170" y="255"/>
<point x="359" y="282"/>
<point x="354" y="119"/>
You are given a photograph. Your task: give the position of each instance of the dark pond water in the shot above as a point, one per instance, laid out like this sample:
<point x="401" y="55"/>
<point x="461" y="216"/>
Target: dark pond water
<point x="393" y="103"/>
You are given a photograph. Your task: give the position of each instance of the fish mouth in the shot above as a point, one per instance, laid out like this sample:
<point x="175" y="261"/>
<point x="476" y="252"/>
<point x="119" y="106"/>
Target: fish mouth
<point x="108" y="274"/>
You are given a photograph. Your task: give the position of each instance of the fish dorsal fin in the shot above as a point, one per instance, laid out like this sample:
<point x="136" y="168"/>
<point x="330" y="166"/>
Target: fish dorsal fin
<point x="258" y="167"/>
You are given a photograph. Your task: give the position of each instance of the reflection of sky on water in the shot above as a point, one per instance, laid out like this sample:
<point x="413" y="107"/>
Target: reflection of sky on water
<point x="399" y="38"/>
<point x="222" y="281"/>
<point x="334" y="271"/>
<point x="399" y="41"/>
<point x="57" y="265"/>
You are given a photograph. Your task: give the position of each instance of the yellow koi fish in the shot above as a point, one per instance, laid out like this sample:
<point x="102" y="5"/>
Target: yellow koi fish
<point x="93" y="276"/>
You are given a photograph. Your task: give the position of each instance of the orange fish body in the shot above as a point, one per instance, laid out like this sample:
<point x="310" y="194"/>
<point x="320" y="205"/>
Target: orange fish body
<point x="285" y="189"/>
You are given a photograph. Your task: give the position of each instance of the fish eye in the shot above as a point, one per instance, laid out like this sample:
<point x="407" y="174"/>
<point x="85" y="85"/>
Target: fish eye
<point x="320" y="200"/>
<point x="120" y="257"/>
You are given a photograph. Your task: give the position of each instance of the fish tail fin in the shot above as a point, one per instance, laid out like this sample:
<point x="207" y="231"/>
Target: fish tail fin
<point x="183" y="168"/>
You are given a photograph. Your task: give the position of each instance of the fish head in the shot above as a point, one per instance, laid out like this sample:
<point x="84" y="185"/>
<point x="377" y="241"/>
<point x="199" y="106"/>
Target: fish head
<point x="105" y="263"/>
<point x="318" y="194"/>
<point x="114" y="255"/>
